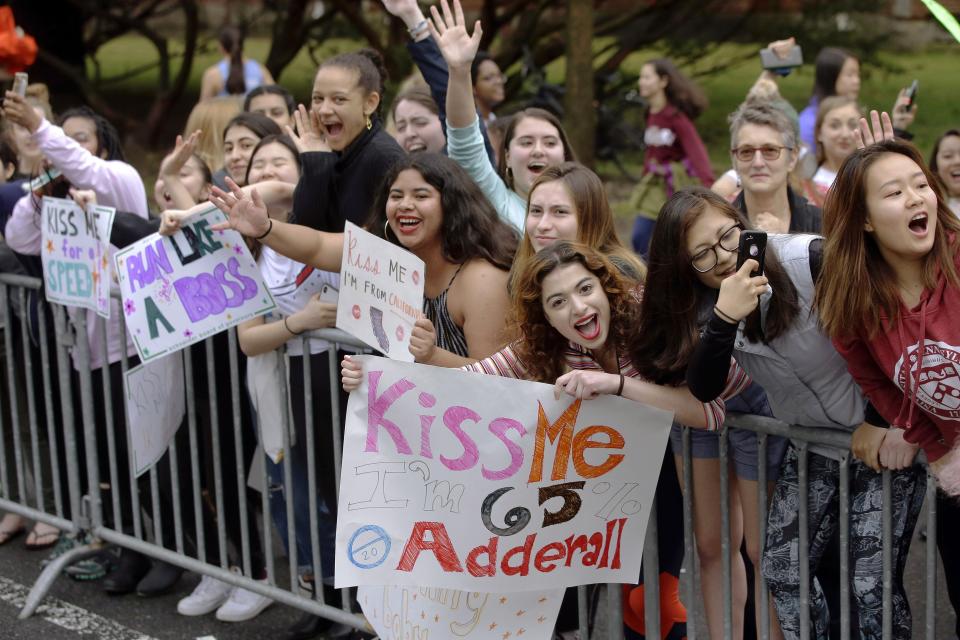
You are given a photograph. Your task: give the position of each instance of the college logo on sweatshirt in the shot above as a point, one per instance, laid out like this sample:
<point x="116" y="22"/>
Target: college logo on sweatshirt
<point x="938" y="391"/>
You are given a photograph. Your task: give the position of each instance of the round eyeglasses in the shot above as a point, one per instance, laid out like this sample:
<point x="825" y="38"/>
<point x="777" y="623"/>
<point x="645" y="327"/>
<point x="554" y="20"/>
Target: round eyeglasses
<point x="707" y="259"/>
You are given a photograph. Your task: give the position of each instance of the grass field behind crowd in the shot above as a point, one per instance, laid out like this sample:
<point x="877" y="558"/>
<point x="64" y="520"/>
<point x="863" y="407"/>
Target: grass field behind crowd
<point x="936" y="68"/>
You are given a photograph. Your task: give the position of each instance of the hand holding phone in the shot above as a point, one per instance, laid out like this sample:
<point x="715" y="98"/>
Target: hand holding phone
<point x="777" y="61"/>
<point x="912" y="94"/>
<point x="753" y="245"/>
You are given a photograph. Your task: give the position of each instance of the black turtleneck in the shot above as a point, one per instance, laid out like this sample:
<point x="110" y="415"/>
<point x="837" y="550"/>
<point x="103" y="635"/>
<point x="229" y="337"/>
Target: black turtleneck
<point x="335" y="187"/>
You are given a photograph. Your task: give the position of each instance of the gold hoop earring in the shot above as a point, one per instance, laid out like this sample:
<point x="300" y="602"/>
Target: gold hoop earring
<point x="369" y="123"/>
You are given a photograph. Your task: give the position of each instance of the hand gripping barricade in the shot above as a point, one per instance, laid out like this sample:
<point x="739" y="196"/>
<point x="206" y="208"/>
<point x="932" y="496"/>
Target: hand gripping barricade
<point x="48" y="416"/>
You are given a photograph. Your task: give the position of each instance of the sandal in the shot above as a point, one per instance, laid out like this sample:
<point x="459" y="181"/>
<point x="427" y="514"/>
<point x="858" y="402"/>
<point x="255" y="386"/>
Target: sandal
<point x="43" y="540"/>
<point x="14" y="531"/>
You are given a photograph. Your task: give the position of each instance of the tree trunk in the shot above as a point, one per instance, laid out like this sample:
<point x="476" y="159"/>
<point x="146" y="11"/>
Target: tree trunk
<point x="580" y="120"/>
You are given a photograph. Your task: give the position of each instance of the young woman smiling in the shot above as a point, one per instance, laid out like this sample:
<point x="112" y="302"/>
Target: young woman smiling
<point x="240" y="136"/>
<point x="429" y="206"/>
<point x="837" y="123"/>
<point x="893" y="291"/>
<point x="344" y="149"/>
<point x="533" y="141"/>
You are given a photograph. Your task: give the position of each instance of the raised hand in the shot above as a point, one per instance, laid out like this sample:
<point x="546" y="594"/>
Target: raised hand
<point x="18" y="111"/>
<point x="458" y="47"/>
<point x="406" y="10"/>
<point x="246" y="214"/>
<point x="182" y="150"/>
<point x="351" y="374"/>
<point x="904" y="112"/>
<point x="171" y="220"/>
<point x="309" y="134"/>
<point x="880" y="128"/>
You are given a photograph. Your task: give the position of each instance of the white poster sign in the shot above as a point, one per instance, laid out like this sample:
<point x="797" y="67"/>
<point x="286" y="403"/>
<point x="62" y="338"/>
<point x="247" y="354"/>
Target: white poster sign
<point x="381" y="292"/>
<point x="424" y="613"/>
<point x="181" y="289"/>
<point x="75" y="252"/>
<point x="154" y="393"/>
<point x="465" y="481"/>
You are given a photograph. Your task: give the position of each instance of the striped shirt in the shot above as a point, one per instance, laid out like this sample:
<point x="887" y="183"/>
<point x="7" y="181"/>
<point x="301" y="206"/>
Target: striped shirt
<point x="507" y="364"/>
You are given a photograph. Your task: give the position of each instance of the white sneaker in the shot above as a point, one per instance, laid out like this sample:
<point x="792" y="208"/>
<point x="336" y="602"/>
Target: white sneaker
<point x="243" y="605"/>
<point x="206" y="597"/>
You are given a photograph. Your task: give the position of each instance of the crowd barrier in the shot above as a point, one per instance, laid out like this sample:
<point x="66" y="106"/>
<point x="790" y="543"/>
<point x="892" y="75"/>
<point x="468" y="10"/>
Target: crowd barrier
<point x="43" y="408"/>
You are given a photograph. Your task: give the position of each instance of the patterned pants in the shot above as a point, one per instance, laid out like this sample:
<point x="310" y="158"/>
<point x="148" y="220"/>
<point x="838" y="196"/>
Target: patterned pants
<point x="781" y="556"/>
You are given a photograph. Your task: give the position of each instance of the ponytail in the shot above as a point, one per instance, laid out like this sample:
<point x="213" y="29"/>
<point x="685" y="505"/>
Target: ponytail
<point x="231" y="39"/>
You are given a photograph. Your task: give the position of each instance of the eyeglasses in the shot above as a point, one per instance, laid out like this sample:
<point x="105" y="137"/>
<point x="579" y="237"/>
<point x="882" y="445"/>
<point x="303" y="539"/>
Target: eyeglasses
<point x="769" y="152"/>
<point x="707" y="259"/>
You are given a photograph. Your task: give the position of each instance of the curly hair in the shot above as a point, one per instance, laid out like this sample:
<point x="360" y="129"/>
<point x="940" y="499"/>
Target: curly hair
<point x="539" y="346"/>
<point x="471" y="227"/>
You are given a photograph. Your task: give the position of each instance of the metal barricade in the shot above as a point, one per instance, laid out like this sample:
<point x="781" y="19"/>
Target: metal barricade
<point x="186" y="487"/>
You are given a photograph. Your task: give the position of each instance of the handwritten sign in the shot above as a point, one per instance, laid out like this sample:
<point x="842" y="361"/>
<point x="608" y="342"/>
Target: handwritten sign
<point x="154" y="393"/>
<point x="381" y="292"/>
<point x="465" y="481"/>
<point x="75" y="254"/>
<point x="423" y="613"/>
<point x="180" y="289"/>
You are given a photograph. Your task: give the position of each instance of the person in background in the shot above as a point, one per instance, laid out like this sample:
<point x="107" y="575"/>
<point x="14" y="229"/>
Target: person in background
<point x="234" y="74"/>
<point x="488" y="85"/>
<point x="837" y="122"/>
<point x="273" y="101"/>
<point x="945" y="164"/>
<point x="184" y="178"/>
<point x="763" y="146"/>
<point x="417" y="121"/>
<point x="210" y="118"/>
<point x="240" y="136"/>
<point x="675" y="155"/>
<point x="836" y="73"/>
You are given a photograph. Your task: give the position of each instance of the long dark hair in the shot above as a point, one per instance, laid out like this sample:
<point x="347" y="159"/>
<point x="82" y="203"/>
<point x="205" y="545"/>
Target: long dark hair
<point x="471" y="227"/>
<point x="681" y="91"/>
<point x="231" y="39"/>
<point x="539" y="346"/>
<point x="108" y="140"/>
<point x="828" y="65"/>
<point x="860" y="287"/>
<point x="673" y="296"/>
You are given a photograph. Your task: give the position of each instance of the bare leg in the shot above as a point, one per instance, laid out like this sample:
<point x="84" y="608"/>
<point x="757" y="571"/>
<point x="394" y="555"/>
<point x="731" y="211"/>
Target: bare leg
<point x="706" y="526"/>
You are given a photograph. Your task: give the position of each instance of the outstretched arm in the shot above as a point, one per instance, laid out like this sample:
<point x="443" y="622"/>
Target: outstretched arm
<point x="459" y="49"/>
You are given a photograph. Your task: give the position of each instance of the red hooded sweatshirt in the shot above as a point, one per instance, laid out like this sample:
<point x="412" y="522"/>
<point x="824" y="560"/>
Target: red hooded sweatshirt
<point x="925" y="399"/>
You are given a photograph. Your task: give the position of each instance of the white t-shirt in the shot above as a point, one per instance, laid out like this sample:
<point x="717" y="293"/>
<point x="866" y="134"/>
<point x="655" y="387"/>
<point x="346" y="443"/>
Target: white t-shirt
<point x="824" y="178"/>
<point x="954" y="204"/>
<point x="292" y="284"/>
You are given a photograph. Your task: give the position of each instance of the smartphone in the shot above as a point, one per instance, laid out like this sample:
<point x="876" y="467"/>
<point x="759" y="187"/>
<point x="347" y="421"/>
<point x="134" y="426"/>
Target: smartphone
<point x="329" y="293"/>
<point x="772" y="62"/>
<point x="20" y="83"/>
<point x="753" y="244"/>
<point x="912" y="94"/>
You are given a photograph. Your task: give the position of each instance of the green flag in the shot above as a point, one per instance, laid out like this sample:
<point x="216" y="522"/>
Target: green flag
<point x="945" y="17"/>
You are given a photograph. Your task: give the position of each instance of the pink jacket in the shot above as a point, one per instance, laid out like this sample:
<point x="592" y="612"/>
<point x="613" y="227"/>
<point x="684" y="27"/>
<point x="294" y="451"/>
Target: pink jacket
<point x="116" y="183"/>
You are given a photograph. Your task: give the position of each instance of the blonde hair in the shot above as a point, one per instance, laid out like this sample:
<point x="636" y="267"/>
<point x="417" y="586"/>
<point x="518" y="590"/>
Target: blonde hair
<point x="211" y="117"/>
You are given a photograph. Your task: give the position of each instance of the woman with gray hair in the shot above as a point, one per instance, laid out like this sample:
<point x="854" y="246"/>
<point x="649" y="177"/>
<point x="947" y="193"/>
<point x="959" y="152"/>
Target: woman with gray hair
<point x="764" y="145"/>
